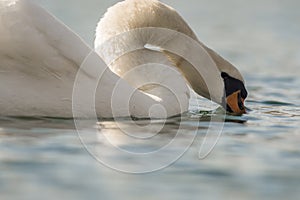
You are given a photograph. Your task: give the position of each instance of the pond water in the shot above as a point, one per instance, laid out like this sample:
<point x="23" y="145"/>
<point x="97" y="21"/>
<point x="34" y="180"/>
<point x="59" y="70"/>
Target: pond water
<point x="257" y="156"/>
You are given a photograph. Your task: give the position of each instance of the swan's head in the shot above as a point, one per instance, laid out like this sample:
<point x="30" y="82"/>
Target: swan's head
<point x="236" y="94"/>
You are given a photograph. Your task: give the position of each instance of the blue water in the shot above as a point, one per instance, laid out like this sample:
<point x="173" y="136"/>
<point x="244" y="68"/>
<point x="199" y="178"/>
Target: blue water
<point x="257" y="155"/>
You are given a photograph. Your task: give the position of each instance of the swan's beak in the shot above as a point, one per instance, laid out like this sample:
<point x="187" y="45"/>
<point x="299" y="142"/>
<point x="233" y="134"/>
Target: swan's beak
<point x="235" y="104"/>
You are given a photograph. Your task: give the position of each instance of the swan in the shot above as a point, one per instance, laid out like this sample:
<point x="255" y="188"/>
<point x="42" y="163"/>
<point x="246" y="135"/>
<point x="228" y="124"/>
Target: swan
<point x="47" y="70"/>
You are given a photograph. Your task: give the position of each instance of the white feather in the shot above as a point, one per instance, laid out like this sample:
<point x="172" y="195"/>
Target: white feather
<point x="39" y="60"/>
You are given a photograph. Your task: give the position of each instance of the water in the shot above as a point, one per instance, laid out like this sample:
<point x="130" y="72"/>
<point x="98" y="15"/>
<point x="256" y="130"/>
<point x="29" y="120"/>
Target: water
<point x="257" y="155"/>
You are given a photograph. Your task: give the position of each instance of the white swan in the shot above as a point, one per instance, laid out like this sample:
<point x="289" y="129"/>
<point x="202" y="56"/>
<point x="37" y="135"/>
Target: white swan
<point x="41" y="61"/>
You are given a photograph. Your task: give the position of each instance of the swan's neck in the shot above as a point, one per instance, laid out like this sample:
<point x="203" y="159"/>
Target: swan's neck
<point x="136" y="23"/>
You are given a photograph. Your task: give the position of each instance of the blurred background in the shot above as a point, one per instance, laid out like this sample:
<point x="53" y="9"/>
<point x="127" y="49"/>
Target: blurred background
<point x="257" y="159"/>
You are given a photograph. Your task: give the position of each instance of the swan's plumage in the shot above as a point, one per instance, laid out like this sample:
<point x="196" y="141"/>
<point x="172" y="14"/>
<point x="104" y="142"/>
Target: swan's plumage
<point x="39" y="60"/>
<point x="43" y="63"/>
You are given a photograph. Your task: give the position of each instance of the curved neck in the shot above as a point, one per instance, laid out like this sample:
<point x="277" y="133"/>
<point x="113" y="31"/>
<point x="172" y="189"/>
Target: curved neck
<point x="152" y="22"/>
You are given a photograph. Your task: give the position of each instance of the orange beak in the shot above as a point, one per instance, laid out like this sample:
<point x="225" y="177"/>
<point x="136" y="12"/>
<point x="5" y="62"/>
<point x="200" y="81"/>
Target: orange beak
<point x="236" y="103"/>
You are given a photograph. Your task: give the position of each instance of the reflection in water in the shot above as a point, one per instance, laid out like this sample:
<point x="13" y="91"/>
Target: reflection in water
<point x="156" y="144"/>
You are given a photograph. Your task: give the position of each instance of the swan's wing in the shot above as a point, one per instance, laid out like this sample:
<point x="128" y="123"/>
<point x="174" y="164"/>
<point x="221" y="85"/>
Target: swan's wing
<point x="39" y="61"/>
<point x="37" y="42"/>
